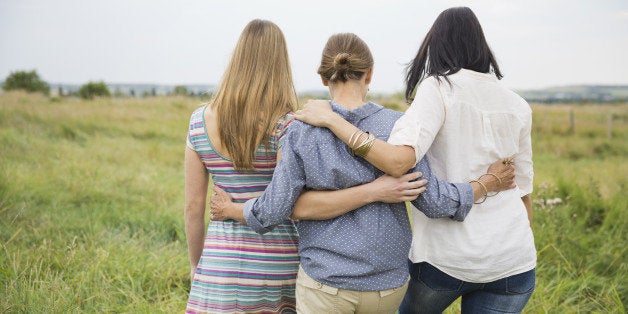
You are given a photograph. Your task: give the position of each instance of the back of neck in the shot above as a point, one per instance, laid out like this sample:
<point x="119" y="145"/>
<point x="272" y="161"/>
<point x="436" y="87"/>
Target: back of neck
<point x="349" y="95"/>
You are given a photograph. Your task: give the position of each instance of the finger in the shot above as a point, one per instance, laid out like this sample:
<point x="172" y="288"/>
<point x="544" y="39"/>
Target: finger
<point x="411" y="176"/>
<point x="413" y="192"/>
<point x="222" y="193"/>
<point x="416" y="184"/>
<point x="506" y="173"/>
<point x="216" y="189"/>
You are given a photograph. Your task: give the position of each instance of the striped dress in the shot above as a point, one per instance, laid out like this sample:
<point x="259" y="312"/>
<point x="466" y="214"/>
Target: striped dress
<point x="241" y="271"/>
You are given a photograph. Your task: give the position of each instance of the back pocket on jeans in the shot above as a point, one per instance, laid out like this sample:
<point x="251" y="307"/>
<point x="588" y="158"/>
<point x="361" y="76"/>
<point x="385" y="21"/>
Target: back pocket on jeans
<point x="521" y="283"/>
<point x="436" y="279"/>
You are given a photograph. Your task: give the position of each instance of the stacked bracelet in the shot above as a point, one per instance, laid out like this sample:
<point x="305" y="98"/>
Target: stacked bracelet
<point x="364" y="147"/>
<point x="353" y="140"/>
<point x="485" y="191"/>
<point x="484" y="186"/>
<point x="496" y="177"/>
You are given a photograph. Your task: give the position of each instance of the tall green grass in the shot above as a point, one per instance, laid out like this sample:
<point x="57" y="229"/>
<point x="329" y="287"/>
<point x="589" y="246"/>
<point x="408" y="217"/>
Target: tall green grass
<point x="91" y="206"/>
<point x="581" y="243"/>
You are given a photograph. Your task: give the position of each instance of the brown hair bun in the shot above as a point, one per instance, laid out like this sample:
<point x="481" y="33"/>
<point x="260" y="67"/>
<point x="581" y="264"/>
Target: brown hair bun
<point x="345" y="57"/>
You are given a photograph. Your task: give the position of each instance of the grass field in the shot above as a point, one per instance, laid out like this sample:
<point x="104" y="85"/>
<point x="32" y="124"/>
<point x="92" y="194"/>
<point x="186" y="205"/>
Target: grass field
<point x="91" y="206"/>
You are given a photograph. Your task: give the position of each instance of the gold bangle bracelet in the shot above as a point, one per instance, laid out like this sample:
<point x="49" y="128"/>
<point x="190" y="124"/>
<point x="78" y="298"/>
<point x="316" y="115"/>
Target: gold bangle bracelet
<point x="365" y="146"/>
<point x="369" y="146"/>
<point x="357" y="149"/>
<point x="496" y="177"/>
<point x="353" y="140"/>
<point x="485" y="191"/>
<point x="482" y="201"/>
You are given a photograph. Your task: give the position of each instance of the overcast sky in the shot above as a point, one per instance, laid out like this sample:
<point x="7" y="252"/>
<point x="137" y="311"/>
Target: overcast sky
<point x="538" y="43"/>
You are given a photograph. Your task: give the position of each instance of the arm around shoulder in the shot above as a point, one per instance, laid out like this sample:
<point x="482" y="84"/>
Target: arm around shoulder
<point x="277" y="202"/>
<point x="321" y="205"/>
<point x="394" y="160"/>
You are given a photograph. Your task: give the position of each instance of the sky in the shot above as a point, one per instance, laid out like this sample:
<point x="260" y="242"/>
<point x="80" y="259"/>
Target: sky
<point x="537" y="43"/>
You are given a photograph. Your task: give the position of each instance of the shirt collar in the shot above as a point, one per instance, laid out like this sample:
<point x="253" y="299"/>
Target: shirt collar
<point x="356" y="114"/>
<point x="479" y="75"/>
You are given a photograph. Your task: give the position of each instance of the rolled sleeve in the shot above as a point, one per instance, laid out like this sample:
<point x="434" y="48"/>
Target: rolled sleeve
<point x="251" y="219"/>
<point x="406" y="132"/>
<point x="277" y="202"/>
<point x="524" y="172"/>
<point x="421" y="123"/>
<point x="443" y="199"/>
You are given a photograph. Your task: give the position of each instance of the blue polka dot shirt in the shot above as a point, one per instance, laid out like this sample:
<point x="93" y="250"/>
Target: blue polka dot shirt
<point x="367" y="248"/>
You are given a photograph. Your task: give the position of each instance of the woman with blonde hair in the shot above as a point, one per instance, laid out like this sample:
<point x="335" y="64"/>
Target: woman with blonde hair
<point x="235" y="139"/>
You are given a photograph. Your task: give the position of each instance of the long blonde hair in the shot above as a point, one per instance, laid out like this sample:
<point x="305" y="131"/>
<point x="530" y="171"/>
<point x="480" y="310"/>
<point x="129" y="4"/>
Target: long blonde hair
<point x="256" y="90"/>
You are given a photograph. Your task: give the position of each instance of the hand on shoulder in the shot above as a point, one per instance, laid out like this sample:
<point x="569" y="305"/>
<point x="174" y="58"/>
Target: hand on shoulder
<point x="316" y="112"/>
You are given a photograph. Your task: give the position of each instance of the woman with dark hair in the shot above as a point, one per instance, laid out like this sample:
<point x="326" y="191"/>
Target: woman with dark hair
<point x="461" y="118"/>
<point x="353" y="245"/>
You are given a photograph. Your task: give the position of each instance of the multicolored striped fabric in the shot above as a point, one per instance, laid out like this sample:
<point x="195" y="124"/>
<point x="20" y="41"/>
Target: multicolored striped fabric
<point x="241" y="271"/>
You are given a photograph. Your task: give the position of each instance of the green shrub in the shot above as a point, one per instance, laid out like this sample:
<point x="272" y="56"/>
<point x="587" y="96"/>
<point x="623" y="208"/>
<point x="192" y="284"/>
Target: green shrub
<point x="25" y="80"/>
<point x="180" y="90"/>
<point x="94" y="89"/>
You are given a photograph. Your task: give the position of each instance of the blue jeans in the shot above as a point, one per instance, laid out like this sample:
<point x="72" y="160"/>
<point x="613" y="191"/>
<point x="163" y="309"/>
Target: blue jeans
<point x="432" y="291"/>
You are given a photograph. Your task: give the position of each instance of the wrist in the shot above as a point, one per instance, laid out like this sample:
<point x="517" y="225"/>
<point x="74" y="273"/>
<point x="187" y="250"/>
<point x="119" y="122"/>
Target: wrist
<point x="332" y="120"/>
<point x="480" y="191"/>
<point x="237" y="212"/>
<point x="489" y="182"/>
<point x="371" y="193"/>
<point x="231" y="211"/>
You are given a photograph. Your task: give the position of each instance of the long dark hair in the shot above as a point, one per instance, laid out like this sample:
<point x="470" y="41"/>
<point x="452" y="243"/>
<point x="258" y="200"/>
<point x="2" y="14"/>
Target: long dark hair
<point x="455" y="41"/>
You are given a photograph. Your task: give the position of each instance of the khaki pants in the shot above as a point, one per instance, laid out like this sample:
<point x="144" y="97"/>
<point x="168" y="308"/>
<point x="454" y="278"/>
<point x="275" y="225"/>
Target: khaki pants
<point x="316" y="298"/>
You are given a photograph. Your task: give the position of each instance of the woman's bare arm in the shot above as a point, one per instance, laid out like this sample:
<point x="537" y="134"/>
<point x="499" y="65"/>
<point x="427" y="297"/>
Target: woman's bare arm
<point x="527" y="201"/>
<point x="391" y="159"/>
<point x="322" y="205"/>
<point x="196" y="181"/>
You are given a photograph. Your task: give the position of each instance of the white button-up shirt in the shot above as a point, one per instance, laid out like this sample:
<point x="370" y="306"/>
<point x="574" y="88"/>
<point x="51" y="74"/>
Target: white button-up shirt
<point x="463" y="127"/>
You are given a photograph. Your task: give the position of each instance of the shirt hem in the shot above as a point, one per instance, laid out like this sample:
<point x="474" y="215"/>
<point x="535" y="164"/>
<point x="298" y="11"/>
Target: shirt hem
<point x="512" y="272"/>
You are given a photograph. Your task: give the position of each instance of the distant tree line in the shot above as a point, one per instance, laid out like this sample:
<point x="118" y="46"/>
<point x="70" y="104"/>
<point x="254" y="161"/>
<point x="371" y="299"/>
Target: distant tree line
<point x="31" y="82"/>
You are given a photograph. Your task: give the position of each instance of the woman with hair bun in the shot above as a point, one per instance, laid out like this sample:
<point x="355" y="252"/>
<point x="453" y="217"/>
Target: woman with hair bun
<point x="354" y="235"/>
